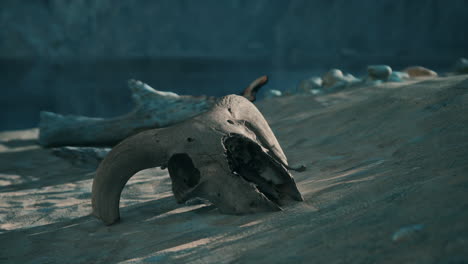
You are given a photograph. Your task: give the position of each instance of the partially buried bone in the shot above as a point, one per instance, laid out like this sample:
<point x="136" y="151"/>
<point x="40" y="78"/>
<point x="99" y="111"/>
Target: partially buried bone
<point x="153" y="109"/>
<point x="227" y="155"/>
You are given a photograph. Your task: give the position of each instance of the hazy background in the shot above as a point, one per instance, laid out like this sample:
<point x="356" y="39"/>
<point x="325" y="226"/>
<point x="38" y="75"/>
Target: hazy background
<point x="74" y="56"/>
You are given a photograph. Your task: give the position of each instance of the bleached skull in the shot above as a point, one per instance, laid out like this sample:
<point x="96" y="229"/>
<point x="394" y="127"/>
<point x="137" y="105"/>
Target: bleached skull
<point x="227" y="155"/>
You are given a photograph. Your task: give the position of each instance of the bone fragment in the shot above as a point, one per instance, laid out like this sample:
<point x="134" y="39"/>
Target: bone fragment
<point x="153" y="109"/>
<point x="84" y="157"/>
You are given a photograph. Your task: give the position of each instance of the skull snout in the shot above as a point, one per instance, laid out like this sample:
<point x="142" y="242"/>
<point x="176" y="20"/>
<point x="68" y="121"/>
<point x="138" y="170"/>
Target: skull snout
<point x="251" y="163"/>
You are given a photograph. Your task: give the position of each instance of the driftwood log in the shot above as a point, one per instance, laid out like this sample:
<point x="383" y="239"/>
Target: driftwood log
<point x="153" y="109"/>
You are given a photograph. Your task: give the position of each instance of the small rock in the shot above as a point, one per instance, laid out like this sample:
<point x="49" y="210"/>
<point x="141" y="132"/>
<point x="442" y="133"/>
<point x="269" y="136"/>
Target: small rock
<point x="332" y="77"/>
<point x="273" y="93"/>
<point x="349" y="78"/>
<point x="419" y="71"/>
<point x="397" y="76"/>
<point x="461" y="66"/>
<point x="335" y="80"/>
<point x="371" y="82"/>
<point x="316" y="91"/>
<point x="306" y="86"/>
<point x="379" y="72"/>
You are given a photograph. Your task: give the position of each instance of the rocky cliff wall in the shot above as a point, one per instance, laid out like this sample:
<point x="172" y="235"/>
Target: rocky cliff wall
<point x="288" y="32"/>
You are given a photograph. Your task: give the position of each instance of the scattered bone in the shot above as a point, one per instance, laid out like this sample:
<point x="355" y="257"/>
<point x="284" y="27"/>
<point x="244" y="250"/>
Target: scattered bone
<point x="418" y="71"/>
<point x="227" y="155"/>
<point x="152" y="109"/>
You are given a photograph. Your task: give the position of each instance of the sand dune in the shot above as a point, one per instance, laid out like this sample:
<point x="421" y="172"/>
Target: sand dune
<point x="387" y="182"/>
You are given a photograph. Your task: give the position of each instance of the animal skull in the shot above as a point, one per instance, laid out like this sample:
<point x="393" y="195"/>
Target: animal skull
<point x="227" y="155"/>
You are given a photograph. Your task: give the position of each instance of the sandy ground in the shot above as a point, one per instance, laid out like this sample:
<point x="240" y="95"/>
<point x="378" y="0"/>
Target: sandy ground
<point x="387" y="182"/>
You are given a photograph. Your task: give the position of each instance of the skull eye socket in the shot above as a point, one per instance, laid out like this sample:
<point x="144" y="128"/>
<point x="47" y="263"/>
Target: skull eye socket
<point x="183" y="173"/>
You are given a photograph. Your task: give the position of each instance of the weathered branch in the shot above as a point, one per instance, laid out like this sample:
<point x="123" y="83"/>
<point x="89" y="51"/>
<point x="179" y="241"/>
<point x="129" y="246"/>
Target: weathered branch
<point x="153" y="109"/>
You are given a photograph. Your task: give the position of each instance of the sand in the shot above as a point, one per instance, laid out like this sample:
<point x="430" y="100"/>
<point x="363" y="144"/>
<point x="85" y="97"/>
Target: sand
<point x="386" y="182"/>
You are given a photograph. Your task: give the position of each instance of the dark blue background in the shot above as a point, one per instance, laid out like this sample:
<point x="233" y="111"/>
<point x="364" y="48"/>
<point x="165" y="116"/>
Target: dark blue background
<point x="74" y="56"/>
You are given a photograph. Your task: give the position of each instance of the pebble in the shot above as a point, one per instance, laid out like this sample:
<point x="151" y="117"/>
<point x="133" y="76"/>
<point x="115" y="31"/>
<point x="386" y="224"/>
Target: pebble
<point x="273" y="93"/>
<point x="419" y="71"/>
<point x="316" y="91"/>
<point x="335" y="79"/>
<point x="349" y="78"/>
<point x="332" y="77"/>
<point x="308" y="85"/>
<point x="379" y="72"/>
<point x="398" y="76"/>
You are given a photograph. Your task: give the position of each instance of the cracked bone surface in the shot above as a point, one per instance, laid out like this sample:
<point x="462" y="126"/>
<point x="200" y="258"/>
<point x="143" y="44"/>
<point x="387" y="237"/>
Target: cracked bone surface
<point x="153" y="109"/>
<point x="227" y="155"/>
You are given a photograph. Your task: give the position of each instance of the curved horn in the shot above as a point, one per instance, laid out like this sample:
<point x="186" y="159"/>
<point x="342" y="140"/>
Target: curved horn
<point x="251" y="91"/>
<point x="133" y="154"/>
<point x="242" y="109"/>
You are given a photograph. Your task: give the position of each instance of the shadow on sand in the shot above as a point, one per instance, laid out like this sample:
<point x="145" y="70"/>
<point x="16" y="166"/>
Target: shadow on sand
<point x="36" y="168"/>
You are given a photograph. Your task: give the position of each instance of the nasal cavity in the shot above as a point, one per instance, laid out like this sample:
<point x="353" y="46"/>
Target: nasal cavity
<point x="182" y="170"/>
